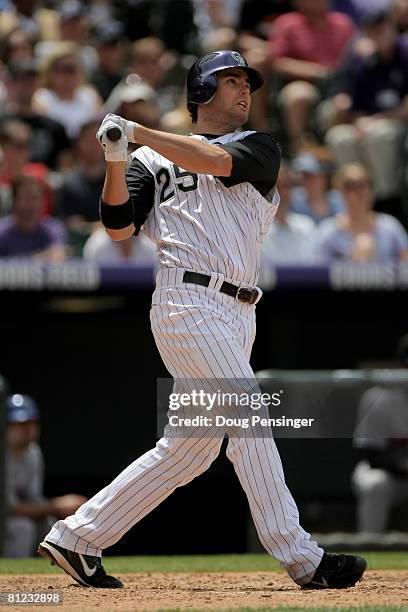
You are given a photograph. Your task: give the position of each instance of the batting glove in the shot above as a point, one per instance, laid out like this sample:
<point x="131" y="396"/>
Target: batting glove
<point x="126" y="126"/>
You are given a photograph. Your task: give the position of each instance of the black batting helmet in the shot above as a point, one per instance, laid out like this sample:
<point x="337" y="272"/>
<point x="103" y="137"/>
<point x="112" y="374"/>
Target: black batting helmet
<point x="202" y="79"/>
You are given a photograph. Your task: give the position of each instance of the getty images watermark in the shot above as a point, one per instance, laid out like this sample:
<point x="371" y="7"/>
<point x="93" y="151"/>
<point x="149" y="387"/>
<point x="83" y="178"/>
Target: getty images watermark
<point x="224" y="406"/>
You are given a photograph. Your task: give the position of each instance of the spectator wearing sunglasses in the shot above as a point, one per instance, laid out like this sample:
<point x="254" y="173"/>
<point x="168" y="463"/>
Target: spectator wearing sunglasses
<point x="360" y="234"/>
<point x="65" y="96"/>
<point x="16" y="145"/>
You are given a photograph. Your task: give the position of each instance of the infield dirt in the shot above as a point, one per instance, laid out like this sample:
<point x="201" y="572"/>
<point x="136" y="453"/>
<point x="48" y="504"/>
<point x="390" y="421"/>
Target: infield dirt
<point x="214" y="591"/>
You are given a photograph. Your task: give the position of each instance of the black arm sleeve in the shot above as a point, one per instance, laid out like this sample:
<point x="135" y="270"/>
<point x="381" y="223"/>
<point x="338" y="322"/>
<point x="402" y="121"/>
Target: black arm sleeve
<point x="141" y="187"/>
<point x="255" y="159"/>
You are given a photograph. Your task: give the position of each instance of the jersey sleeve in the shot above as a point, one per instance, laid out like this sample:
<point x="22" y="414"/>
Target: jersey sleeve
<point x="141" y="186"/>
<point x="255" y="159"/>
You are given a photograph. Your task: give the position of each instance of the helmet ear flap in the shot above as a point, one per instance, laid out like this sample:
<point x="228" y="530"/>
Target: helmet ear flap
<point x="204" y="89"/>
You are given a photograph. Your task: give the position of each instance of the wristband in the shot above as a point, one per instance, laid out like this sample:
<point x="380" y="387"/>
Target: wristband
<point x="129" y="127"/>
<point x="116" y="156"/>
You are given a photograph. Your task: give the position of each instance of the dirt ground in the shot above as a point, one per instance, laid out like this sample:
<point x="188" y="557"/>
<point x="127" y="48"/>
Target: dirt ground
<point x="212" y="591"/>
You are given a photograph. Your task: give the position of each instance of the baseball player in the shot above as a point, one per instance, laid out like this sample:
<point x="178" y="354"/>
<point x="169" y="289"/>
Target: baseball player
<point x="207" y="201"/>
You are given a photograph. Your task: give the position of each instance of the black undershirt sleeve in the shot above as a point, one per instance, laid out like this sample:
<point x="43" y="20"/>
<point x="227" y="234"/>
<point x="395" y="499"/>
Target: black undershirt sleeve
<point x="255" y="159"/>
<point x="141" y="188"/>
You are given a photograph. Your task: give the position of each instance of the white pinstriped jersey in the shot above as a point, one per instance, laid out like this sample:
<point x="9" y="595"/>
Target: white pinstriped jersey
<point x="202" y="334"/>
<point x="200" y="224"/>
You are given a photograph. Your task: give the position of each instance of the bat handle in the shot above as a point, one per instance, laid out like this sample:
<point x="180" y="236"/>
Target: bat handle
<point x="114" y="134"/>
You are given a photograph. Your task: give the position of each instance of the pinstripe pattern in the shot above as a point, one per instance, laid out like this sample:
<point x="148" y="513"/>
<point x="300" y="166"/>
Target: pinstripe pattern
<point x="193" y="229"/>
<point x="202" y="334"/>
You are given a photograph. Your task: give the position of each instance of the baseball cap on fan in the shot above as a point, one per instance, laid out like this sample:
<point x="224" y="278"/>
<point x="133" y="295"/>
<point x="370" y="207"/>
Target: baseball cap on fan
<point x="109" y="33"/>
<point x="136" y="92"/>
<point x="128" y="92"/>
<point x="21" y="408"/>
<point x="308" y="164"/>
<point x="71" y="9"/>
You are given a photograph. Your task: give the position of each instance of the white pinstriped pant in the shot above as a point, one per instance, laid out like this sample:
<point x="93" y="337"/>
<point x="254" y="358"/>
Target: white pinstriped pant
<point x="200" y="333"/>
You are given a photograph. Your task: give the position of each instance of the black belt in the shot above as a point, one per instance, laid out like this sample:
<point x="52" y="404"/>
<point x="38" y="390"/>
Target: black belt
<point x="249" y="295"/>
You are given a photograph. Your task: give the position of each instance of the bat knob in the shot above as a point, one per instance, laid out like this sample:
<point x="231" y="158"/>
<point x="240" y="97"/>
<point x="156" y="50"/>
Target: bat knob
<point x="114" y="134"/>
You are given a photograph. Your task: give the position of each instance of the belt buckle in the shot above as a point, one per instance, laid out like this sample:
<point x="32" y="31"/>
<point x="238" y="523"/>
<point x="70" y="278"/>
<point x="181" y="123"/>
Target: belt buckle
<point x="243" y="290"/>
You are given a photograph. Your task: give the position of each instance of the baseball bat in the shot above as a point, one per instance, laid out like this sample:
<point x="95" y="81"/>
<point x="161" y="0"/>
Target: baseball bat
<point x="114" y="134"/>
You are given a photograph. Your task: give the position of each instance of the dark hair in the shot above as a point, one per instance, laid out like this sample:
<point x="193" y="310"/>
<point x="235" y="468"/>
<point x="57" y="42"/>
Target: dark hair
<point x="89" y="124"/>
<point x="193" y="110"/>
<point x="11" y="129"/>
<point x="21" y="180"/>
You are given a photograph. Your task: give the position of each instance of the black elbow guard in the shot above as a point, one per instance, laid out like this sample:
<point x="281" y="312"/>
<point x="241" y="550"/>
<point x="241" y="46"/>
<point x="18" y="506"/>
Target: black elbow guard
<point x="116" y="217"/>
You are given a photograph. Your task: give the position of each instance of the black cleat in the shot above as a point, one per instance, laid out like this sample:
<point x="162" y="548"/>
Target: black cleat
<point x="337" y="572"/>
<point x="85" y="569"/>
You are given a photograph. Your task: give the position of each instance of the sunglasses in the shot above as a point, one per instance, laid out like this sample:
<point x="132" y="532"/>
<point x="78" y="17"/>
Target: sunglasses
<point x="66" y="68"/>
<point x="19" y="144"/>
<point x="356" y="185"/>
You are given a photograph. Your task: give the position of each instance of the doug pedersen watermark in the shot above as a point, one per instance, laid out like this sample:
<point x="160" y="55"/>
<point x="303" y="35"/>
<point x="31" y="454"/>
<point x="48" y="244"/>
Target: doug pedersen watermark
<point x="191" y="407"/>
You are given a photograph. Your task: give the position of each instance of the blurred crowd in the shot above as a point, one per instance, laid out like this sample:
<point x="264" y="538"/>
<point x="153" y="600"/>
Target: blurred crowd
<point x="336" y="98"/>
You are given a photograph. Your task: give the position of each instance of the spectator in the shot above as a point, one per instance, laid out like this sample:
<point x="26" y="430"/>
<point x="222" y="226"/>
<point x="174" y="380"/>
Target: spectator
<point x="71" y="24"/>
<point x="65" y="96"/>
<point x="29" y="513"/>
<point x="154" y="64"/>
<point x="305" y="47"/>
<point x="77" y="200"/>
<point x="15" y="140"/>
<point x="357" y="8"/>
<point x="313" y="196"/>
<point x="215" y="21"/>
<point x="399" y="13"/>
<point x="16" y="45"/>
<point x="380" y="478"/>
<point x="110" y="46"/>
<point x="289" y="239"/>
<point x="21" y="14"/>
<point x="49" y="142"/>
<point x="149" y="61"/>
<point x="360" y="234"/>
<point x="377" y="86"/>
<point x="73" y="21"/>
<point x="135" y="103"/>
<point x="134" y="250"/>
<point x="24" y="232"/>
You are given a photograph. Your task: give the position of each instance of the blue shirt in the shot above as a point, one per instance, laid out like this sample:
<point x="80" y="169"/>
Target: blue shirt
<point x="335" y="243"/>
<point x="300" y="204"/>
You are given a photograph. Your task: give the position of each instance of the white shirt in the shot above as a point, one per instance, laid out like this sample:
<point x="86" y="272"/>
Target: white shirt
<point x="289" y="242"/>
<point x="70" y="113"/>
<point x="101" y="248"/>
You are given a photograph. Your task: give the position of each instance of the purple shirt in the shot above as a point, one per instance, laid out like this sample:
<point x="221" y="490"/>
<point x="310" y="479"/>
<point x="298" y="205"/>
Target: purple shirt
<point x="356" y="8"/>
<point x="14" y="242"/>
<point x="376" y="85"/>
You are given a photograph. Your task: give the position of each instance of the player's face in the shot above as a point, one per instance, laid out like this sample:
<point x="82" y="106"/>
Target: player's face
<point x="233" y="96"/>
